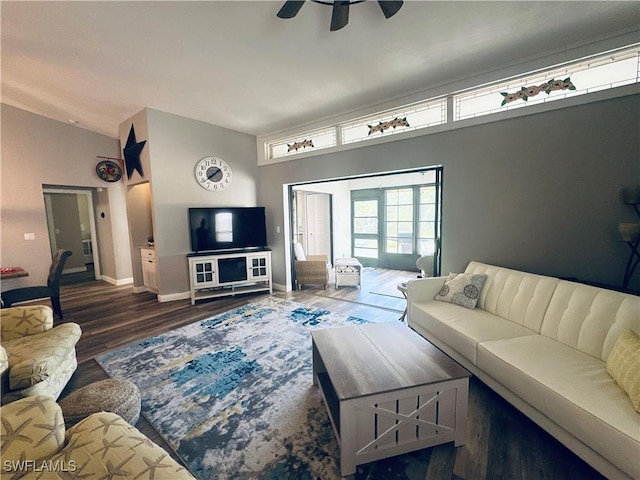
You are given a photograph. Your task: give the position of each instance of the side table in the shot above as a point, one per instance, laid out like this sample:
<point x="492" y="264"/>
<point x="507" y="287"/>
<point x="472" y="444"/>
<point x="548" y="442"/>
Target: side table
<point x="402" y="286"/>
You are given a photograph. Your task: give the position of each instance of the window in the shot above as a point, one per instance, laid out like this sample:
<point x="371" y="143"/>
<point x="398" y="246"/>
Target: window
<point x="427" y="227"/>
<point x="391" y="226"/>
<point x="402" y="120"/>
<point x="315" y="140"/>
<point x="399" y="236"/>
<point x="600" y="73"/>
<point x="365" y="228"/>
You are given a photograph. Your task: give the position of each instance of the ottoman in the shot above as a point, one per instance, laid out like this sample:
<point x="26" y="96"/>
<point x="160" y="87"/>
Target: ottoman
<point x="348" y="272"/>
<point x="118" y="396"/>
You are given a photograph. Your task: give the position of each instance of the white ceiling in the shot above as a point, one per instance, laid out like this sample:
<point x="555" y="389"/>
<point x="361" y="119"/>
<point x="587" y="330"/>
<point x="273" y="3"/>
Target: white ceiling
<point x="236" y="65"/>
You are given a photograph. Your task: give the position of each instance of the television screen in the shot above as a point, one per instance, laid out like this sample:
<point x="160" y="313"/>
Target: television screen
<point x="227" y="228"/>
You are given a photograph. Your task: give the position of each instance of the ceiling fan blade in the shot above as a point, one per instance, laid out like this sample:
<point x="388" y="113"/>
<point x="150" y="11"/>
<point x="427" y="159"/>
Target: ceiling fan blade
<point x="340" y="15"/>
<point x="390" y="8"/>
<point x="290" y="9"/>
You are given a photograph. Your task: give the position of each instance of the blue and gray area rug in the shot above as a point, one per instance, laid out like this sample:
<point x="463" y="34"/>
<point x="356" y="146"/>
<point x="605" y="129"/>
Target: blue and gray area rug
<point x="233" y="395"/>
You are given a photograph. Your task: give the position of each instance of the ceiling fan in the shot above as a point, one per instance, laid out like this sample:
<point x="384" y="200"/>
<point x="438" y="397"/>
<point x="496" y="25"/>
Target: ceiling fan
<point x="340" y="14"/>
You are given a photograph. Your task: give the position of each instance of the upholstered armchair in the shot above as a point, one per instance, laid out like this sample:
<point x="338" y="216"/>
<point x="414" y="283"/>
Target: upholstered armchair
<point x="426" y="265"/>
<point x="36" y="445"/>
<point x="310" y="269"/>
<point x="36" y="358"/>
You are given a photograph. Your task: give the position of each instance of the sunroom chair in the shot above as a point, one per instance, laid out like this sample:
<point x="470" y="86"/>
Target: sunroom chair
<point x="51" y="289"/>
<point x="426" y="265"/>
<point x="36" y="358"/>
<point x="310" y="269"/>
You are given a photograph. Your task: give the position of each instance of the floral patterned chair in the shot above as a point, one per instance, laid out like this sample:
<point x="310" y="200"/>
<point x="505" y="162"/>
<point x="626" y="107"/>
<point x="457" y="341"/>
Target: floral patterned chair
<point x="36" y="358"/>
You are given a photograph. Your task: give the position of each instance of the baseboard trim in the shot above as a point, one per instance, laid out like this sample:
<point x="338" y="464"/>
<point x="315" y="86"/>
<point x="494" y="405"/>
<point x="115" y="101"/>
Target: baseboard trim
<point x="281" y="288"/>
<point x="172" y="297"/>
<point x="117" y="283"/>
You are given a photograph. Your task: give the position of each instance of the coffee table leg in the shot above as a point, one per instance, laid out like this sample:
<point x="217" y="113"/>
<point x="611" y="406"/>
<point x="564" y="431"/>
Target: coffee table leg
<point x="462" y="402"/>
<point x="348" y="440"/>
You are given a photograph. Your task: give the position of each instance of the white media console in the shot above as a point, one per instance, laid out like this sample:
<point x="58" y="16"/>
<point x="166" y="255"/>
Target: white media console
<point x="229" y="273"/>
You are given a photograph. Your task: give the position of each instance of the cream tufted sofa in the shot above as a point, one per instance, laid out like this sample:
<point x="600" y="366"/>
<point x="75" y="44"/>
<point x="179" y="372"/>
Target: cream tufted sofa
<point x="543" y="344"/>
<point x="35" y="446"/>
<point x="36" y="358"/>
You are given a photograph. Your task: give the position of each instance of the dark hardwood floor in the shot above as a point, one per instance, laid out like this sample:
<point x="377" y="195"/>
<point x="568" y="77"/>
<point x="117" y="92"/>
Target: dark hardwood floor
<point x="502" y="443"/>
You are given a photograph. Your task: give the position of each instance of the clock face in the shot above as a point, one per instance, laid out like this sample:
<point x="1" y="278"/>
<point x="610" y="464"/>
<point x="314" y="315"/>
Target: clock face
<point x="213" y="173"/>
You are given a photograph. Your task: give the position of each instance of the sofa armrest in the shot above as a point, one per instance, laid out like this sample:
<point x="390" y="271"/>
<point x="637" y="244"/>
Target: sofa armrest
<point x="18" y="322"/>
<point x="36" y="358"/>
<point x="424" y="288"/>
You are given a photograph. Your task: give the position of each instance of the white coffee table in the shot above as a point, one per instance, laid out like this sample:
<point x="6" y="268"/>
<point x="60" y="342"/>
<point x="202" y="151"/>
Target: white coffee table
<point x="388" y="391"/>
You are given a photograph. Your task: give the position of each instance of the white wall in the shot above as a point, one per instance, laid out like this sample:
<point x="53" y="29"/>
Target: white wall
<point x="174" y="145"/>
<point x="37" y="151"/>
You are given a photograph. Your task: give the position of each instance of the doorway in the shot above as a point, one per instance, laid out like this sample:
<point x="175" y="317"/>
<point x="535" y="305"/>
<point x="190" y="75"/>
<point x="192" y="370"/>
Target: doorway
<point x="71" y="226"/>
<point x="312" y="222"/>
<point x="384" y="220"/>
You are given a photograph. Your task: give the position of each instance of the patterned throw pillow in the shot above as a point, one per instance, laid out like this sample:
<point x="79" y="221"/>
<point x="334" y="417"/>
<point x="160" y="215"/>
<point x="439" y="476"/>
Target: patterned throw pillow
<point x="623" y="364"/>
<point x="462" y="289"/>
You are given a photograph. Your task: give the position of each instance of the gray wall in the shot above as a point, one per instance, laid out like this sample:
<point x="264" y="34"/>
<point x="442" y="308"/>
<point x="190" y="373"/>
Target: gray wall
<point x="38" y="151"/>
<point x="540" y="193"/>
<point x="175" y="144"/>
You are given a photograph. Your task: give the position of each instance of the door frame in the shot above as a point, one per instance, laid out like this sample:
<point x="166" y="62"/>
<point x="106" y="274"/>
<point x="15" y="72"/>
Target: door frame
<point x="92" y="222"/>
<point x="289" y="210"/>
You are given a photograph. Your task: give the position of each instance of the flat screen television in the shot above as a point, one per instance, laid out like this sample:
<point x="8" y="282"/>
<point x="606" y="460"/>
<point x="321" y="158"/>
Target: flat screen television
<point x="227" y="228"/>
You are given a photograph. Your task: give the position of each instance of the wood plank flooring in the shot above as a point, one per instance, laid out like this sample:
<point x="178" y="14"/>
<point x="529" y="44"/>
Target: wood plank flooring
<point x="502" y="443"/>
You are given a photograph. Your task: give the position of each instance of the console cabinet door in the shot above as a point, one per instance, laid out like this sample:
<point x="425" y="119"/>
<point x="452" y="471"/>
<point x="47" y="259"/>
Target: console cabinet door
<point x="258" y="267"/>
<point x="204" y="273"/>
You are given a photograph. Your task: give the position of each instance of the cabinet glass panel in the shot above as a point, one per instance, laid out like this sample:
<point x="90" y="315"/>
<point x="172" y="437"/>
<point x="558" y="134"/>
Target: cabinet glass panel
<point x="258" y="267"/>
<point x="204" y="272"/>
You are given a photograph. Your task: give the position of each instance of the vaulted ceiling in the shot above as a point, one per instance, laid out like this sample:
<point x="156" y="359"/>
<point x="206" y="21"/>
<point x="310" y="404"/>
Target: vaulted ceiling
<point x="236" y="65"/>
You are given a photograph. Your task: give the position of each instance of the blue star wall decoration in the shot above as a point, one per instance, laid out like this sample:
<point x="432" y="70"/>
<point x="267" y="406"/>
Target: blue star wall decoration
<point x="132" y="154"/>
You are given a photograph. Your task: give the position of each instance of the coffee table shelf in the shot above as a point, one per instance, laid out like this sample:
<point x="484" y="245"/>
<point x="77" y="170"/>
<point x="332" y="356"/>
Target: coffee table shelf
<point x="331" y="401"/>
<point x="387" y="391"/>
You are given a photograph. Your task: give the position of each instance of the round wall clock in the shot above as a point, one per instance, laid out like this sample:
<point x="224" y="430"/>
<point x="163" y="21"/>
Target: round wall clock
<point x="109" y="171"/>
<point x="213" y="173"/>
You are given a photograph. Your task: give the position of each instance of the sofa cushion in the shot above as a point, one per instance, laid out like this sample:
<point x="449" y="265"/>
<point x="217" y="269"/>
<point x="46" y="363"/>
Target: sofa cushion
<point x="33" y="429"/>
<point x="461" y="329"/>
<point x="571" y="388"/>
<point x="624" y="365"/>
<point x="462" y="289"/>
<point x="517" y="296"/>
<point x="590" y="319"/>
<point x="35" y="358"/>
